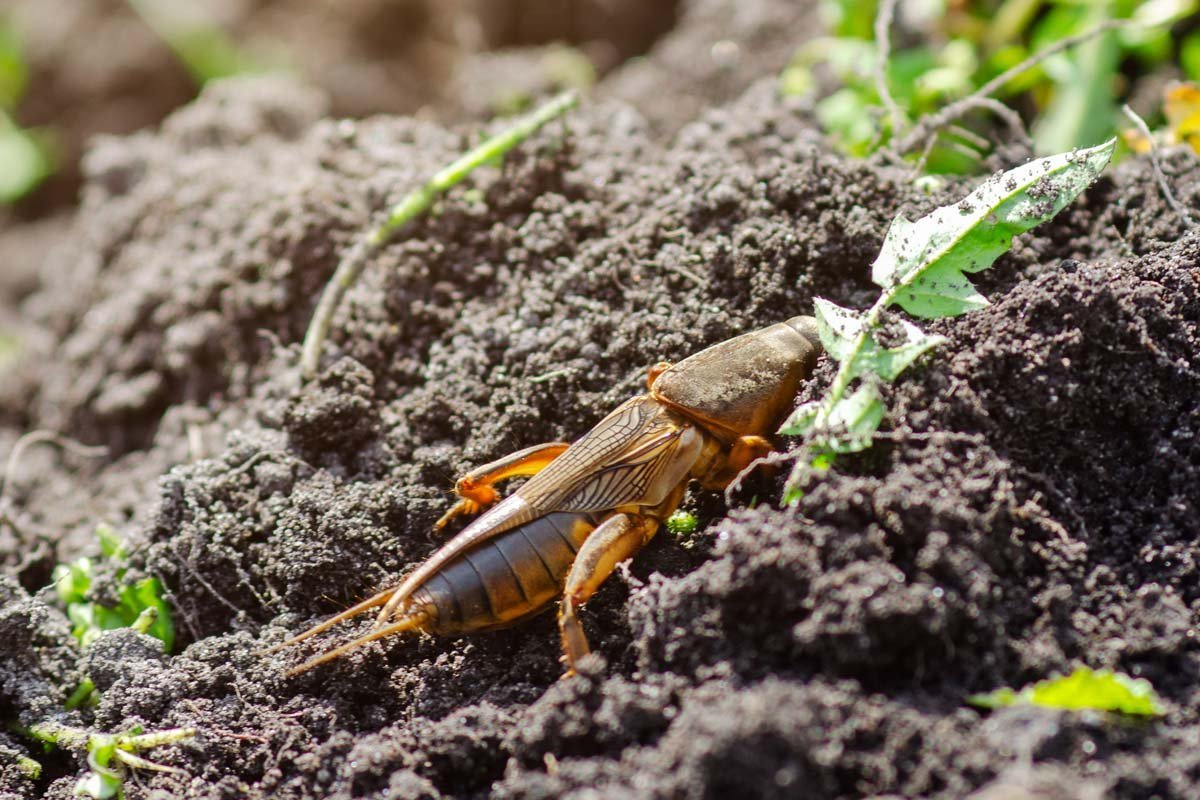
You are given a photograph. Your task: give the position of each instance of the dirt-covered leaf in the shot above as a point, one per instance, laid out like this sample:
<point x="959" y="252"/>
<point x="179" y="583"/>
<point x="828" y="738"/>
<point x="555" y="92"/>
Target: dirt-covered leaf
<point x="853" y="421"/>
<point x="922" y="265"/>
<point x="840" y="330"/>
<point x="889" y="362"/>
<point x="1083" y="689"/>
<point x="801" y="420"/>
<point x="943" y="291"/>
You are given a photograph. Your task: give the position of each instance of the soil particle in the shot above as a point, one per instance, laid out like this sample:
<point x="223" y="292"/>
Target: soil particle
<point x="38" y="662"/>
<point x="1032" y="503"/>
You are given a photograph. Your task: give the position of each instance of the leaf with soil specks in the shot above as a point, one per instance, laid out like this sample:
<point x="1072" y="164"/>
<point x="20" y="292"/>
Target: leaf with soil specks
<point x="922" y="265"/>
<point x="850" y="424"/>
<point x="840" y="328"/>
<point x="1084" y="689"/>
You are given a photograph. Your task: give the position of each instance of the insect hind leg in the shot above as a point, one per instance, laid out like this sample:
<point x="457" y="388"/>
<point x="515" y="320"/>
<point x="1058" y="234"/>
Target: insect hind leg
<point x="618" y="538"/>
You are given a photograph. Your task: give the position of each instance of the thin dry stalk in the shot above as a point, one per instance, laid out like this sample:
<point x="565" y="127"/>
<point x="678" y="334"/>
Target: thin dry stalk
<point x="1156" y="166"/>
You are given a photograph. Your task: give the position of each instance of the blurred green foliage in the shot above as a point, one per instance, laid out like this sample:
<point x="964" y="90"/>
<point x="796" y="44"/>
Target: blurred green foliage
<point x="942" y="50"/>
<point x="196" y="38"/>
<point x="1082" y="690"/>
<point x="30" y="155"/>
<point x="26" y="155"/>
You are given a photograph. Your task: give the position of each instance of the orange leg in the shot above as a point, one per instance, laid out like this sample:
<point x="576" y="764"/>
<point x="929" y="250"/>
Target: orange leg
<point x="475" y="489"/>
<point x="618" y="538"/>
<point x="655" y="371"/>
<point x="742" y="454"/>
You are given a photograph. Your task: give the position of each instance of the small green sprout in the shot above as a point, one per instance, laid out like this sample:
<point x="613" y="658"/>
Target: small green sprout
<point x="27" y="768"/>
<point x="198" y="41"/>
<point x="922" y="267"/>
<point x="1082" y="690"/>
<point x="682" y="523"/>
<point x="27" y="155"/>
<point x="110" y="755"/>
<point x="25" y="159"/>
<point x="141" y="604"/>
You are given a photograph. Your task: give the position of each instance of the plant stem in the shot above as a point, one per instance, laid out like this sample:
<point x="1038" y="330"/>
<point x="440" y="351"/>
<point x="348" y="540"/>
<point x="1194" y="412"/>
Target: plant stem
<point x="1168" y="195"/>
<point x="412" y="206"/>
<point x="57" y="735"/>
<point x="81" y="694"/>
<point x="845" y="373"/>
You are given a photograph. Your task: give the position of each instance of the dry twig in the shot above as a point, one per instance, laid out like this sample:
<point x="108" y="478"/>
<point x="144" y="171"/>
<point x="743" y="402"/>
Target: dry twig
<point x="932" y="123"/>
<point x="1156" y="166"/>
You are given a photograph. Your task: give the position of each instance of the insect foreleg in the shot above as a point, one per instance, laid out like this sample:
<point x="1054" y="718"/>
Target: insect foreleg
<point x="475" y="489"/>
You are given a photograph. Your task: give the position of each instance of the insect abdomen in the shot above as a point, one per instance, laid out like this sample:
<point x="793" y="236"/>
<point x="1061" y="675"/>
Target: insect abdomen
<point x="507" y="578"/>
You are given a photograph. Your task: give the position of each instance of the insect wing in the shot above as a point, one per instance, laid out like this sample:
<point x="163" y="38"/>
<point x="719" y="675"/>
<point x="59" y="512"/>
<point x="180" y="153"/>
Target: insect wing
<point x="612" y="465"/>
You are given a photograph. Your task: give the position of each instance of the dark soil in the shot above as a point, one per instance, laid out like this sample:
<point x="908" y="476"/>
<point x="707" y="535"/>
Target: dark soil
<point x="1034" y="504"/>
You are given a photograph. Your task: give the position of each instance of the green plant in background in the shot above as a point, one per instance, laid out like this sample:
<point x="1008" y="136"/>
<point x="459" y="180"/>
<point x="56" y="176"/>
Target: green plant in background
<point x="1071" y="96"/>
<point x="197" y="39"/>
<point x="922" y="267"/>
<point x="1083" y="689"/>
<point x="140" y="604"/>
<point x="110" y="756"/>
<point x="26" y="154"/>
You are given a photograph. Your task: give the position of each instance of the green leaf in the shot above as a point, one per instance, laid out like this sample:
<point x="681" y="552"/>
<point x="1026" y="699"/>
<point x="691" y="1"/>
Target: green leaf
<point x="1189" y="56"/>
<point x="148" y="594"/>
<point x="840" y="329"/>
<point x="95" y="785"/>
<point x="922" y="265"/>
<point x="1083" y="689"/>
<point x="888" y="363"/>
<point x="111" y="543"/>
<point x="1160" y="13"/>
<point x="14" y="74"/>
<point x="1082" y="108"/>
<point x="853" y="421"/>
<point x="942" y="291"/>
<point x="72" y="581"/>
<point x="802" y="420"/>
<point x="23" y="161"/>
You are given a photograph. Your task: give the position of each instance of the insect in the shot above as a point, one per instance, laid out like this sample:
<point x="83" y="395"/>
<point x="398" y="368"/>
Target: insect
<point x="590" y="505"/>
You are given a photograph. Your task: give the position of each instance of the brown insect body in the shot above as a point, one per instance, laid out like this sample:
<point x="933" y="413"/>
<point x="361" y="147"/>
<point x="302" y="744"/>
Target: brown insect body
<point x="592" y="504"/>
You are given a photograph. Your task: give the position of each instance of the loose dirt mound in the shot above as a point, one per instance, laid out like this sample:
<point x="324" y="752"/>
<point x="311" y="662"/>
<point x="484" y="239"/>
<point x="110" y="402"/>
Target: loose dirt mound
<point x="1035" y="501"/>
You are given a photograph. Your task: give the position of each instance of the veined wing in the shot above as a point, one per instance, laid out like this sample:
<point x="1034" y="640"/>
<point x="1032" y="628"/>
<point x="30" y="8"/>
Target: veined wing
<point x="612" y="465"/>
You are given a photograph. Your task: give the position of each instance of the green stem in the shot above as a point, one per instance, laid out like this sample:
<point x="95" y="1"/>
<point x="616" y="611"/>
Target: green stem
<point x="412" y="206"/>
<point x="81" y="694"/>
<point x="841" y="381"/>
<point x="145" y="741"/>
<point x="57" y="735"/>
